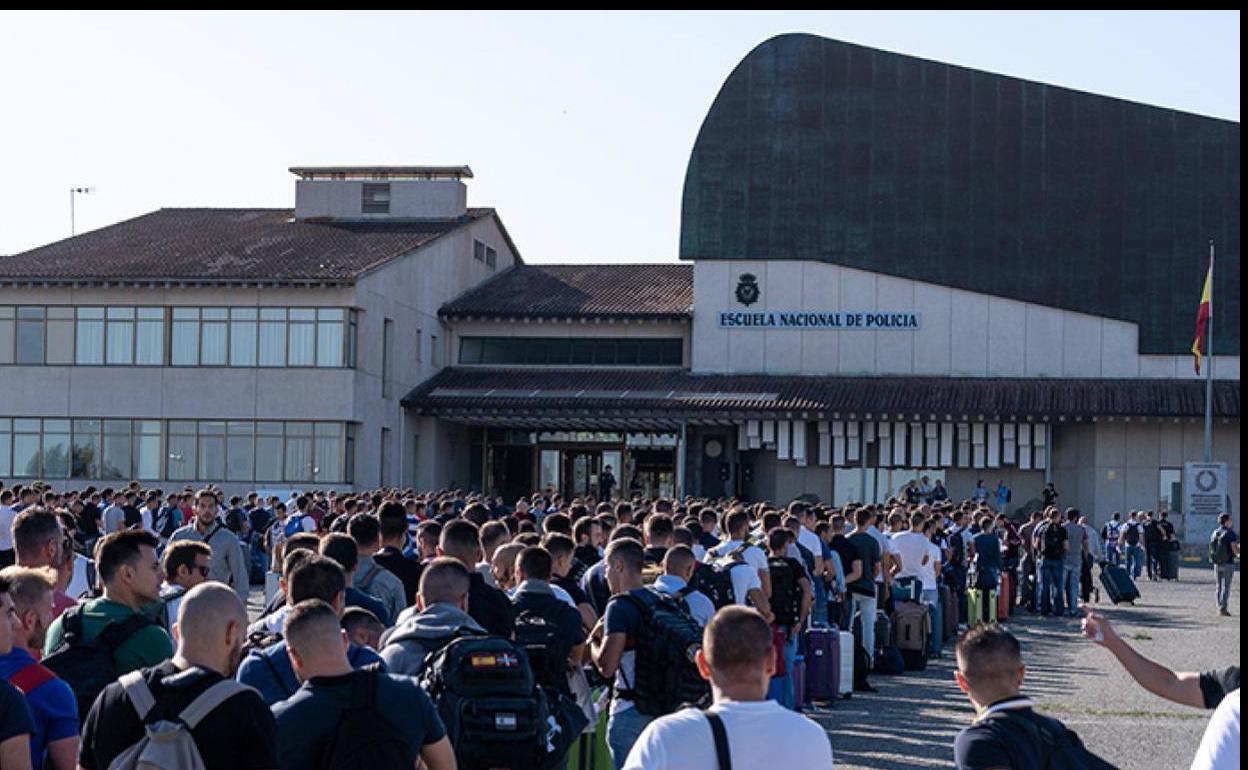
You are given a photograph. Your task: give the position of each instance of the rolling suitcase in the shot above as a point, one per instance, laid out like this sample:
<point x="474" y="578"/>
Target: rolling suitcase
<point x="1171" y="553"/>
<point x="1118" y="584"/>
<point x="1003" y="597"/>
<point x="845" y="676"/>
<point x="981" y="606"/>
<point x="950" y="604"/>
<point x="883" y="630"/>
<point x="799" y="682"/>
<point x="912" y="626"/>
<point x="823" y="663"/>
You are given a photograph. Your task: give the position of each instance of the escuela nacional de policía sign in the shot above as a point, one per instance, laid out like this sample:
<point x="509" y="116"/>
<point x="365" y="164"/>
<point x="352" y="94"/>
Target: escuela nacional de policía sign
<point x="807" y="320"/>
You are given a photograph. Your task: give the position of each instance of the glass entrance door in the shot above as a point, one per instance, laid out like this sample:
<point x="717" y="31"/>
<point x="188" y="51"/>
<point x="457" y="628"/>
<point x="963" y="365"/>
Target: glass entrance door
<point x="580" y="472"/>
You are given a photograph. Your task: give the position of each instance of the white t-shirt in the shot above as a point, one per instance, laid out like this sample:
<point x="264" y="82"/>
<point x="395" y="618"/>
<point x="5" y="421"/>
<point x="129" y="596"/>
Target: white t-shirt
<point x="760" y="734"/>
<point x="1219" y="748"/>
<point x="912" y="549"/>
<point x="80" y="582"/>
<point x="886" y="546"/>
<point x="743" y="579"/>
<point x="810" y="541"/>
<point x="929" y="572"/>
<point x="487" y="571"/>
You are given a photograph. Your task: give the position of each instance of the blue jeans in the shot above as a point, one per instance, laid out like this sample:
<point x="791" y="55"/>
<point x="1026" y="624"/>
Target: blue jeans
<point x="1070" y="586"/>
<point x="623" y="730"/>
<point x="1111" y="554"/>
<point x="781" y="688"/>
<point x="1135" y="560"/>
<point x="1052" y="574"/>
<point x="936" y="643"/>
<point x="819" y="612"/>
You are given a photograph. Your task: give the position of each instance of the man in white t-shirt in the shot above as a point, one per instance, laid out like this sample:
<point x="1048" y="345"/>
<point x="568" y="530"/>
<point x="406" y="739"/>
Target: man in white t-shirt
<point x="752" y="585"/>
<point x="678" y="566"/>
<point x="1219" y="748"/>
<point x="8" y="556"/>
<point x="738" y="658"/>
<point x="806" y="533"/>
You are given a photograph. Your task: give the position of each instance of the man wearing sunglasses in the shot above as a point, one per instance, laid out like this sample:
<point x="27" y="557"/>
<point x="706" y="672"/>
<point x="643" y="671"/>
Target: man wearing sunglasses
<point x="186" y="564"/>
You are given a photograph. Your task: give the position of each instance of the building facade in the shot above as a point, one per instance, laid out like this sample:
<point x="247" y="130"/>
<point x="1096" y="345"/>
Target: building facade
<point x="891" y="269"/>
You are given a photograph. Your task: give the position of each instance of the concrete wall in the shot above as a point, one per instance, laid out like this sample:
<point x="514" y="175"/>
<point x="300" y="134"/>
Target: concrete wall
<point x="411" y="199"/>
<point x="961" y="333"/>
<point x="1116" y="466"/>
<point x="409" y="292"/>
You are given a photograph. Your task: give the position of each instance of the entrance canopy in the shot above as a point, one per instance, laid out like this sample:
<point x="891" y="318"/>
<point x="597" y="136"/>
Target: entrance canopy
<point x="660" y="400"/>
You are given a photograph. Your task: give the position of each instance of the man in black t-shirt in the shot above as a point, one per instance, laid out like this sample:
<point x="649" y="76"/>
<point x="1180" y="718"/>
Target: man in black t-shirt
<point x="239" y="734"/>
<point x="393" y="518"/>
<point x="488" y="606"/>
<point x="862" y="591"/>
<point x="1051" y="542"/>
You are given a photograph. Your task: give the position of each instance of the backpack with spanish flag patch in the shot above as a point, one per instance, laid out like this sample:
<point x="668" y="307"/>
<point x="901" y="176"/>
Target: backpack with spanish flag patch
<point x="495" y="714"/>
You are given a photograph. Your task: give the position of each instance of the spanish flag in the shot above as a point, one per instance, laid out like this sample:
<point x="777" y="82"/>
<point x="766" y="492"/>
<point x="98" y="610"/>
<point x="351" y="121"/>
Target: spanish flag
<point x="1202" y="316"/>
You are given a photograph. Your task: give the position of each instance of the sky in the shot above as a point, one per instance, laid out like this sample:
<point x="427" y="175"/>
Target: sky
<point x="577" y="125"/>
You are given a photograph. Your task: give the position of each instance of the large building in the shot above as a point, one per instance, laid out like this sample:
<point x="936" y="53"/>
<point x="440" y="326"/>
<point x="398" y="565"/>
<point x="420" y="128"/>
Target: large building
<point x="891" y="268"/>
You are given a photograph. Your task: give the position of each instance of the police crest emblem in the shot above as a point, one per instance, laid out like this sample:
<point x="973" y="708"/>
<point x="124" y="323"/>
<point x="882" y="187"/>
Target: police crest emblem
<point x="747" y="289"/>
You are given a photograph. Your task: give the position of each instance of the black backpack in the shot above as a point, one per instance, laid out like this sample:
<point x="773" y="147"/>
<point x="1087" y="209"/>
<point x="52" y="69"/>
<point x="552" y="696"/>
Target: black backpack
<point x="715" y="580"/>
<point x="495" y="714"/>
<point x="90" y="666"/>
<point x="364" y="739"/>
<point x="132" y="516"/>
<point x="1051" y="536"/>
<point x="165" y="522"/>
<point x="1133" y="533"/>
<point x="548" y="655"/>
<point x="957" y="543"/>
<point x="1054" y="746"/>
<point x="665" y="675"/>
<point x="786" y="590"/>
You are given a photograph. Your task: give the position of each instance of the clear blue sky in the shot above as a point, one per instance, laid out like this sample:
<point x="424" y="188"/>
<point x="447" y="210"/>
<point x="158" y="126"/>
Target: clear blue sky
<point x="578" y="125"/>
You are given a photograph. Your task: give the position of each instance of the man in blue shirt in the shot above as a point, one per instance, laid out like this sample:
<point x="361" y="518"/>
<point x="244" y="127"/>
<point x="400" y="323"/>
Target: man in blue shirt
<point x="310" y="721"/>
<point x="269" y="670"/>
<point x="54" y="743"/>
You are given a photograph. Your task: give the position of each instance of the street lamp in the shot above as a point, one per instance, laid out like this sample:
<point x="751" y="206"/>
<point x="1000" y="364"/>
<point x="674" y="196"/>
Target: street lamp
<point x="72" y="192"/>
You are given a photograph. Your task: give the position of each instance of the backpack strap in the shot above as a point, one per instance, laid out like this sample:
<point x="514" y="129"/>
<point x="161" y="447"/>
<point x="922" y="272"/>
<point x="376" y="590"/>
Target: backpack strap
<point x="71" y="625"/>
<point x="116" y="633"/>
<point x="139" y="693"/>
<point x="31" y="677"/>
<point x="721" y="739"/>
<point x="208" y="700"/>
<point x="368" y="578"/>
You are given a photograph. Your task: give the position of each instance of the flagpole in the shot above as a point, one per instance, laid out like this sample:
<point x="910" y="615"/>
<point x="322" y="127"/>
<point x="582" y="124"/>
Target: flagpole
<point x="1209" y="367"/>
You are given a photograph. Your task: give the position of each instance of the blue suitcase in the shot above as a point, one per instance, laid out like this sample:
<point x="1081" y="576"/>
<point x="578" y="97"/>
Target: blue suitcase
<point x="1118" y="584"/>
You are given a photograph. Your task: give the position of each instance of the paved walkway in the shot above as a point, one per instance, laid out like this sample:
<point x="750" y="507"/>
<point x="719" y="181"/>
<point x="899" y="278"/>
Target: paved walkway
<point x="912" y="721"/>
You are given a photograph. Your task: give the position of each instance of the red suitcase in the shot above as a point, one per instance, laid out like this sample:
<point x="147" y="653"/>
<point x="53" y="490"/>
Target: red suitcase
<point x="1003" y="598"/>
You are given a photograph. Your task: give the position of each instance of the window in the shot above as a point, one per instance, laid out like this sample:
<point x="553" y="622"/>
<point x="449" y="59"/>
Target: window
<point x="330" y="328"/>
<point x="387" y="357"/>
<point x="299" y="451"/>
<point x="593" y="351"/>
<point x="6" y="448"/>
<point x="60" y="339"/>
<point x="213" y="331"/>
<point x="268" y="451"/>
<point x="85" y="461"/>
<point x="301" y="337"/>
<point x="182" y="464"/>
<point x="30" y="335"/>
<point x="211" y="450"/>
<point x="8" y="333"/>
<point x="272" y="336"/>
<point x="55" y="449"/>
<point x="115" y="458"/>
<point x="240" y="451"/>
<point x="491" y="257"/>
<point x="327" y="452"/>
<point x="26" y="448"/>
<point x="478" y="250"/>
<point x="352" y="328"/>
<point x="120" y="337"/>
<point x="375" y="199"/>
<point x="1170" y="494"/>
<point x="146" y="457"/>
<point x="243" y="336"/>
<point x="184" y="350"/>
<point x="384" y="468"/>
<point x="433" y="350"/>
<point x="419" y="334"/>
<point x="89" y="336"/>
<point x="149" y="340"/>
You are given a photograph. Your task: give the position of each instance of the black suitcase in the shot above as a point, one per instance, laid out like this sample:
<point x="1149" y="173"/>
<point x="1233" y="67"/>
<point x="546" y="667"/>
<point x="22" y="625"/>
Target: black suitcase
<point x="883" y="630"/>
<point x="1118" y="584"/>
<point x="1171" y="553"/>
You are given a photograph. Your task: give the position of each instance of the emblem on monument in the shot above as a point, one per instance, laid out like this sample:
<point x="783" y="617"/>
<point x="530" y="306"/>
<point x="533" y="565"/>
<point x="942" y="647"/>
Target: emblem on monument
<point x="747" y="290"/>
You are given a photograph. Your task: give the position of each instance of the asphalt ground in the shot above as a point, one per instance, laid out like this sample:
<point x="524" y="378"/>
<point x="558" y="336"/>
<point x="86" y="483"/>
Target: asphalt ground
<point x="912" y="721"/>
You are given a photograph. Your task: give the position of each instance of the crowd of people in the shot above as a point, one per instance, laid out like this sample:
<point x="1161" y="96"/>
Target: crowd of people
<point x="444" y="630"/>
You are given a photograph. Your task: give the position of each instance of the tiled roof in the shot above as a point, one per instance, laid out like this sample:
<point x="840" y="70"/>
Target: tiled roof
<point x="580" y="291"/>
<point x="678" y="393"/>
<point x="227" y="245"/>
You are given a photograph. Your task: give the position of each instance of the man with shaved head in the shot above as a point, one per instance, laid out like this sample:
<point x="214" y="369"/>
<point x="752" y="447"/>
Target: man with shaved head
<point x="239" y="733"/>
<point x="311" y="720"/>
<point x="738" y="658"/>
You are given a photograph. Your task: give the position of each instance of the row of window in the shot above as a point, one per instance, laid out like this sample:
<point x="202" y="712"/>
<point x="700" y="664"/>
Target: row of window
<point x="180" y="336"/>
<point x="185" y="450"/>
<point x="592" y="351"/>
<point x="483" y="253"/>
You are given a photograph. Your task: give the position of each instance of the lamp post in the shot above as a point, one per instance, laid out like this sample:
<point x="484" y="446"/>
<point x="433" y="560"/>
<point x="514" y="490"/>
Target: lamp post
<point x="74" y="191"/>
